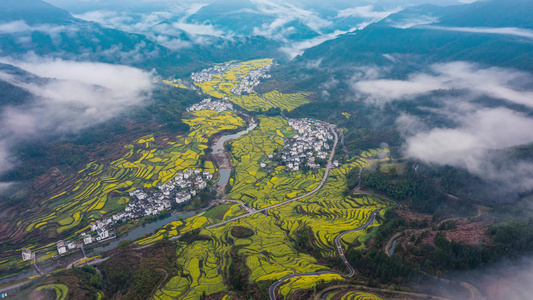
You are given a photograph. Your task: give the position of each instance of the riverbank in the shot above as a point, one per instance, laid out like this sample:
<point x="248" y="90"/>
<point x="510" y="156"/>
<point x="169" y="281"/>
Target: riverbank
<point x="223" y="157"/>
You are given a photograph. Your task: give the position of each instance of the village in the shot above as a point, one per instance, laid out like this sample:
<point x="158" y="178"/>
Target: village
<point x="178" y="191"/>
<point x="209" y="104"/>
<point x="246" y="83"/>
<point x="207" y="74"/>
<point x="251" y="80"/>
<point x="307" y="148"/>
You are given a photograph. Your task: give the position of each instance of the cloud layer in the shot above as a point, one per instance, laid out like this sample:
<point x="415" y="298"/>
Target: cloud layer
<point x="474" y="130"/>
<point x="494" y="82"/>
<point x="75" y="96"/>
<point x="521" y="32"/>
<point x="467" y="145"/>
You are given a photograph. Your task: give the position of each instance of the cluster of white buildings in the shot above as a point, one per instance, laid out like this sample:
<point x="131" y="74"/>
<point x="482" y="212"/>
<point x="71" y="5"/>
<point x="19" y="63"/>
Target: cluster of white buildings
<point x="246" y="83"/>
<point x="312" y="141"/>
<point x="180" y="189"/>
<point x="99" y="232"/>
<point x="65" y="246"/>
<point x="143" y="204"/>
<point x="27" y="254"/>
<point x="208" y="104"/>
<point x="101" y="229"/>
<point x="251" y="80"/>
<point x="207" y="74"/>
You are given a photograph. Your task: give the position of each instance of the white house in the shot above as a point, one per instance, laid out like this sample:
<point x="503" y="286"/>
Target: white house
<point x="61" y="247"/>
<point x="71" y="245"/>
<point x="182" y="198"/>
<point x="27" y="254"/>
<point x="102" y="233"/>
<point x="148" y="211"/>
<point x="87" y="239"/>
<point x="166" y="204"/>
<point x="202" y="185"/>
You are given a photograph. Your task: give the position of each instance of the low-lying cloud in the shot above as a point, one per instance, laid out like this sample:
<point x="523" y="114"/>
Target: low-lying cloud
<point x="20" y="26"/>
<point x="468" y="145"/>
<point x="298" y="48"/>
<point x="474" y="132"/>
<point x="521" y="32"/>
<point x="74" y="96"/>
<point x="413" y="21"/>
<point x="367" y="12"/>
<point x="167" y="28"/>
<point x="505" y="84"/>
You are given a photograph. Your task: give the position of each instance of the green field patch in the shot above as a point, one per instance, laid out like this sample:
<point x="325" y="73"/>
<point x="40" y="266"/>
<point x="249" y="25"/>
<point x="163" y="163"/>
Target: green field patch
<point x="287" y="101"/>
<point x="219" y="211"/>
<point x="251" y="102"/>
<point x="307" y="282"/>
<point x="60" y="290"/>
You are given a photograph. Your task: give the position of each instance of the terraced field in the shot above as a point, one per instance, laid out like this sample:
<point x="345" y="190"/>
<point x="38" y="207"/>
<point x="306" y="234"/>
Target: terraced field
<point x="307" y="282"/>
<point x="199" y="263"/>
<point x="175" y="83"/>
<point x="269" y="254"/>
<point x="102" y="188"/>
<point x="287" y="101"/>
<point x="60" y="290"/>
<point x="328" y="213"/>
<point x="355" y="296"/>
<point x="251" y="102"/>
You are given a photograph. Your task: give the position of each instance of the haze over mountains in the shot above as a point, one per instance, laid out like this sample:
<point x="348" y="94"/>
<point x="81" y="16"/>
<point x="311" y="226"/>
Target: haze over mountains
<point x="178" y="37"/>
<point x="447" y="84"/>
<point x="468" y="74"/>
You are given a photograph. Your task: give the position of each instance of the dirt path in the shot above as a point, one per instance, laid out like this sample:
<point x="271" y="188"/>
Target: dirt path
<point x="15" y="286"/>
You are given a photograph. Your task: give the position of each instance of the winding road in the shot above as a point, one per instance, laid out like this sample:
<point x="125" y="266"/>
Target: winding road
<point x="243" y="205"/>
<point x="339" y="244"/>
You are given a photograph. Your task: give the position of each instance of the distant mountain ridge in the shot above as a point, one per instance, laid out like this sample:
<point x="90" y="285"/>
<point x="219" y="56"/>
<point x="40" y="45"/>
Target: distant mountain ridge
<point x="377" y="43"/>
<point x="33" y="12"/>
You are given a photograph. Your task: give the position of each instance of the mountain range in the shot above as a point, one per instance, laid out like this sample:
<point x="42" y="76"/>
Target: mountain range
<point x="473" y="32"/>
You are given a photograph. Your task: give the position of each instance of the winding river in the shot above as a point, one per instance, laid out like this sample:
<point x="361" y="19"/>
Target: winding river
<point x="222" y="156"/>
